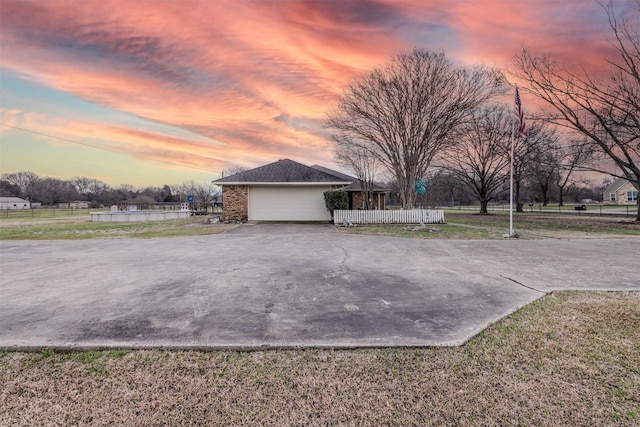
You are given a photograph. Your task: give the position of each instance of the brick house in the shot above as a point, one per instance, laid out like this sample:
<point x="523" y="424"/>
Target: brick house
<point x="355" y="193"/>
<point x="620" y="192"/>
<point x="284" y="191"/>
<point x="281" y="191"/>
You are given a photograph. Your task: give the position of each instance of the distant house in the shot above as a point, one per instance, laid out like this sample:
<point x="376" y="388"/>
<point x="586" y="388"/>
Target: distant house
<point x="74" y="205"/>
<point x="14" y="203"/>
<point x="620" y="192"/>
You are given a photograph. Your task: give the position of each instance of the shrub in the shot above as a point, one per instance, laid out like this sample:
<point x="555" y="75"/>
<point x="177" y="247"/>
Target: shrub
<point x="337" y="199"/>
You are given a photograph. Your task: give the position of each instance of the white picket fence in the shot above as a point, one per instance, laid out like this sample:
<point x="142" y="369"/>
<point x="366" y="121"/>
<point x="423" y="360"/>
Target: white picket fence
<point x="413" y="216"/>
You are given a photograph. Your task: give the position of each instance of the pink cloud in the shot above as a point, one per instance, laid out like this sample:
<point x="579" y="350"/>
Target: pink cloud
<point x="495" y="31"/>
<point x="255" y="78"/>
<point x="252" y="71"/>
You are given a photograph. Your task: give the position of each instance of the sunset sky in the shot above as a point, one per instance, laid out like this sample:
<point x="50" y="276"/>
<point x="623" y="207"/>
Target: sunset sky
<point x="153" y="92"/>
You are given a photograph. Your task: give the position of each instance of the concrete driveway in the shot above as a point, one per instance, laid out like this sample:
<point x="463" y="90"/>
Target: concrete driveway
<point x="283" y="285"/>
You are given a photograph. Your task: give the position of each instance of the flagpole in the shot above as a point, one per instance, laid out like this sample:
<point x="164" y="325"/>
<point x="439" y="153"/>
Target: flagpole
<point x="522" y="133"/>
<point x="513" y="138"/>
<point x="512" y="155"/>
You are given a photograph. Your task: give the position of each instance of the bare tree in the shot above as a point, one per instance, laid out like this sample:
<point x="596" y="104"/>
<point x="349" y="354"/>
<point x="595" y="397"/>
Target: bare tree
<point x="96" y="186"/>
<point x="186" y="188"/>
<point x="129" y="190"/>
<point x="233" y="170"/>
<point x="524" y="152"/>
<point x="90" y="188"/>
<point x="544" y="173"/>
<point x="25" y="181"/>
<point x="8" y="189"/>
<point x="603" y="108"/>
<point x="405" y="113"/>
<point x="165" y="194"/>
<point x="545" y="159"/>
<point x="480" y="159"/>
<point x="572" y="156"/>
<point x="206" y="195"/>
<point x="82" y="184"/>
<point x="444" y="190"/>
<point x="53" y="191"/>
<point x="364" y="165"/>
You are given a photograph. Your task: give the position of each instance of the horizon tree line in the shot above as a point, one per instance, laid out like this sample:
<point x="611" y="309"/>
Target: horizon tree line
<point x="53" y="191"/>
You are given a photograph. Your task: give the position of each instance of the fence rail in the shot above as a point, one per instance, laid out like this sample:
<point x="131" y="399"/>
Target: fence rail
<point x="43" y="212"/>
<point x="413" y="216"/>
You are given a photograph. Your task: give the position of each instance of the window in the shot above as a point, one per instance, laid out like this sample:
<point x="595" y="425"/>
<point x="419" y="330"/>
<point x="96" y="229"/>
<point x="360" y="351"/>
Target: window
<point x="612" y="197"/>
<point x="632" y="196"/>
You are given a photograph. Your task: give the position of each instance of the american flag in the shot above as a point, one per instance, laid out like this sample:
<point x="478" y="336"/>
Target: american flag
<point x="522" y="126"/>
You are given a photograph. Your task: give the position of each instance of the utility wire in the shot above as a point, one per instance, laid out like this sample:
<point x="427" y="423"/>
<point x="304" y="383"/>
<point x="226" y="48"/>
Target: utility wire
<point x="106" y="149"/>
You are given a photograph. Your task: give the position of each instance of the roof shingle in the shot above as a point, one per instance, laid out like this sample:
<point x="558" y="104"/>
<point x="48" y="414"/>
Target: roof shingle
<point x="283" y="171"/>
<point x="355" y="182"/>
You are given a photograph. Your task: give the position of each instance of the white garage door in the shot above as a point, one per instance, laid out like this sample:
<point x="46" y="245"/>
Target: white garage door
<point x="287" y="204"/>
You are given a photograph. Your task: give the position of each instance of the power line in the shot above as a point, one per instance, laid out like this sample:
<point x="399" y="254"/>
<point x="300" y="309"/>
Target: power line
<point x="106" y="149"/>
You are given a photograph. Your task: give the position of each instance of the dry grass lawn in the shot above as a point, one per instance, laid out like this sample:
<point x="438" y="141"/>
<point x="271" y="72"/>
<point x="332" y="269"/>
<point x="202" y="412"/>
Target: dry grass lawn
<point x="79" y="227"/>
<point x="571" y="358"/>
<point x="470" y="226"/>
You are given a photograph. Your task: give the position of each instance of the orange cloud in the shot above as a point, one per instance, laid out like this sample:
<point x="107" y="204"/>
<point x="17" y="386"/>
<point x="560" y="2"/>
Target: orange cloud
<point x="252" y="80"/>
<point x="493" y="31"/>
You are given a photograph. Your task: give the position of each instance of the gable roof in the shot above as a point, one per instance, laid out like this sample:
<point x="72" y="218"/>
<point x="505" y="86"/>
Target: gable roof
<point x="355" y="182"/>
<point x="13" y="200"/>
<point x="615" y="186"/>
<point x="282" y="172"/>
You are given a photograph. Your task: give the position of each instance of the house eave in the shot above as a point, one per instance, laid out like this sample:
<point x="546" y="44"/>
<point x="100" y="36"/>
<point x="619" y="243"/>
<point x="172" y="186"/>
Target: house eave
<point x="282" y="184"/>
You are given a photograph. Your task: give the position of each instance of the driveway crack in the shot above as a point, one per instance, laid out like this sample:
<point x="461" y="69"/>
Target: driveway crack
<point x="522" y="284"/>
<point x="346" y="256"/>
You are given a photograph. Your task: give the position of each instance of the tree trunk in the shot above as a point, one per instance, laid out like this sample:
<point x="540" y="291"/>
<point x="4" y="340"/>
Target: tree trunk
<point x="483" y="207"/>
<point x="368" y="199"/>
<point x="407" y="194"/>
<point x="544" y="189"/>
<point x="516" y="192"/>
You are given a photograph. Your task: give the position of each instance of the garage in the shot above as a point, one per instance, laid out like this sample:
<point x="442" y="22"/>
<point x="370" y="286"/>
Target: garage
<point x="281" y="191"/>
<point x="284" y="203"/>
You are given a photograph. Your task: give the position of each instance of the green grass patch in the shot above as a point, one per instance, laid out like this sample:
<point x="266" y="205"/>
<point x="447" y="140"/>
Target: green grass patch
<point x="83" y="228"/>
<point x="550" y="208"/>
<point x="459" y="225"/>
<point x="468" y="226"/>
<point x="45" y="213"/>
<point x="47" y="352"/>
<point x="532" y="225"/>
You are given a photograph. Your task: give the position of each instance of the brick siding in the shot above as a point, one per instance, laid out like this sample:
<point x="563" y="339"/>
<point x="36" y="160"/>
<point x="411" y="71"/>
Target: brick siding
<point x="235" y="202"/>
<point x="357" y="200"/>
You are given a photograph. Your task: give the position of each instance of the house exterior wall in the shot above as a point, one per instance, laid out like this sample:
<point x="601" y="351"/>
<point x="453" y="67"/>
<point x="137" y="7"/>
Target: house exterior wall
<point x="14" y="203"/>
<point x="620" y="195"/>
<point x="377" y="202"/>
<point x="235" y="202"/>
